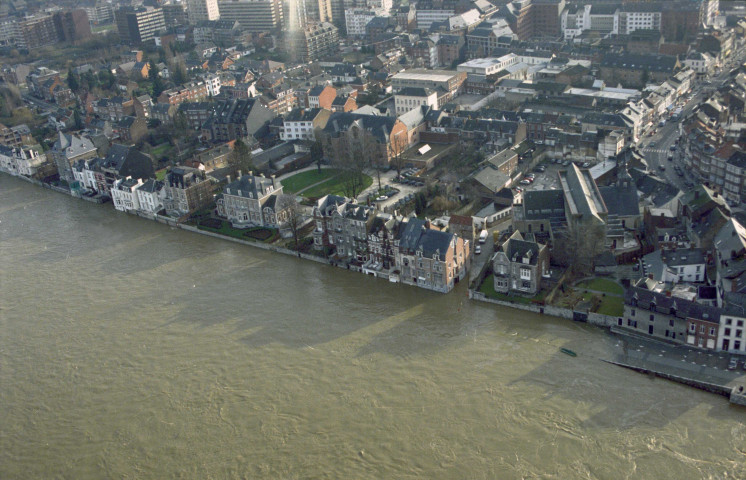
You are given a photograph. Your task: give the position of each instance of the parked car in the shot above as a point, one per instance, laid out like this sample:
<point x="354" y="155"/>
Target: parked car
<point x="524" y="182"/>
<point x="477" y="249"/>
<point x="733" y="364"/>
<point x="662" y="168"/>
<point x="652" y="144"/>
<point x="673" y="148"/>
<point x="586" y="165"/>
<point x="670" y="157"/>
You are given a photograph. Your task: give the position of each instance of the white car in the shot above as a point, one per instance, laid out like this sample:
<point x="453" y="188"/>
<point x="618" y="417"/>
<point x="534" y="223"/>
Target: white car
<point x="477" y="249"/>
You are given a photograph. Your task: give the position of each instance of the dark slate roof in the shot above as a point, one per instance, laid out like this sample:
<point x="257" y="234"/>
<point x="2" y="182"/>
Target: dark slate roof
<point x="620" y="200"/>
<point x="415" y="92"/>
<point x="128" y="161"/>
<point x="516" y="249"/>
<point x="682" y="257"/>
<point x="541" y="204"/>
<point x="249" y="186"/>
<point x="378" y="126"/>
<point x="606" y="259"/>
<point x="415" y="236"/>
<point x="653" y="63"/>
<point x="316" y="91"/>
<point x="151" y="186"/>
<point x="738" y="159"/>
<point x="660" y="302"/>
<point x="302" y="115"/>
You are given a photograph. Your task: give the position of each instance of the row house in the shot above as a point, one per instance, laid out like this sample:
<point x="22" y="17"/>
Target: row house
<point x="430" y="258"/>
<point x="67" y="150"/>
<point x="124" y="194"/>
<point x="124" y="161"/>
<point x="279" y="100"/>
<point x="16" y="136"/>
<point x="186" y="191"/>
<point x="190" y="92"/>
<point x="237" y="119"/>
<point x="88" y="176"/>
<point x="302" y="124"/>
<point x="732" y="333"/>
<point x="252" y="200"/>
<point x="342" y="224"/>
<point x="115" y="108"/>
<point x="197" y="113"/>
<point x="21" y="160"/>
<point x="240" y="90"/>
<point x="322" y="96"/>
<point x="666" y="317"/>
<point x="131" y="129"/>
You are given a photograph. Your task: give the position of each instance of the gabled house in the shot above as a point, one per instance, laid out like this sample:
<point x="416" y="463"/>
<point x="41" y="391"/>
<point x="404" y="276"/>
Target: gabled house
<point x="67" y="150"/>
<point x="124" y="161"/>
<point x="252" y="200"/>
<point x="430" y="258"/>
<point x="187" y="190"/>
<point x="519" y="265"/>
<point x="301" y="124"/>
<point x="675" y="266"/>
<point x="342" y="224"/>
<point x="150" y="196"/>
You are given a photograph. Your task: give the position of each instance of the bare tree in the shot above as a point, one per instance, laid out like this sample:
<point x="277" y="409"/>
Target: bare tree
<point x="241" y="158"/>
<point x="355" y="151"/>
<point x="398" y="145"/>
<point x="578" y="247"/>
<point x="294" y="214"/>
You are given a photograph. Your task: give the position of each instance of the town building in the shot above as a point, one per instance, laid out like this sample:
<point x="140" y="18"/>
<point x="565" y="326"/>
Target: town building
<point x="414" y="97"/>
<point x="186" y="191"/>
<point x="200" y="10"/>
<point x="361" y="136"/>
<point x="322" y="96"/>
<point x="520" y="264"/>
<point x="343" y="225"/>
<point x="301" y="124"/>
<point x="430" y="258"/>
<point x="445" y="80"/>
<point x="139" y="25"/>
<point x="67" y="150"/>
<point x="315" y="41"/>
<point x="253" y="201"/>
<point x="237" y="119"/>
<point x="72" y="25"/>
<point x="255" y="16"/>
<point x="150" y="196"/>
<point x="124" y="194"/>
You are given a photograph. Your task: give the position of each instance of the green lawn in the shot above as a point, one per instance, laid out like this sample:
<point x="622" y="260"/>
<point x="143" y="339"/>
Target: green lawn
<point x="302" y="180"/>
<point x="160" y="174"/>
<point x="613" y="306"/>
<point x="334" y="186"/>
<point x="602" y="285"/>
<point x="161" y="150"/>
<point x="488" y="289"/>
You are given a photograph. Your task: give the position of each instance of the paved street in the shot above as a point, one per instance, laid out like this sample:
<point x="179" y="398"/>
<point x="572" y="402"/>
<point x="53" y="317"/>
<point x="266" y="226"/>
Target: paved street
<point x="682" y="361"/>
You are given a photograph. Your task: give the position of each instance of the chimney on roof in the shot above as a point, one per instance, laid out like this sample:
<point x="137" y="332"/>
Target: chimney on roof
<point x="229" y="178"/>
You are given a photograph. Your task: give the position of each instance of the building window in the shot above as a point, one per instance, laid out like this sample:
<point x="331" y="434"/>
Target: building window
<point x="525" y="274"/>
<point x="712" y="330"/>
<point x="692" y="328"/>
<point x="670" y="323"/>
<point x="633" y="312"/>
<point x="652" y="317"/>
<point x="727" y="332"/>
<point x="701" y="329"/>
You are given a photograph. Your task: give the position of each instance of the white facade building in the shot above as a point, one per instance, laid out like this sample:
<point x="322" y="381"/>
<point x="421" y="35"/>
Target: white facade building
<point x="629" y="21"/>
<point x="212" y="81"/>
<point x="382" y="6"/>
<point x="200" y="10"/>
<point x="413" y="97"/>
<point x="20" y="161"/>
<point x="356" y="19"/>
<point x="150" y="196"/>
<point x="488" y="66"/>
<point x="732" y="333"/>
<point x="124" y="194"/>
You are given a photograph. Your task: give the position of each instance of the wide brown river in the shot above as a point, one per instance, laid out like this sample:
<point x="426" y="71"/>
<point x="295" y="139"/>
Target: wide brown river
<point x="129" y="349"/>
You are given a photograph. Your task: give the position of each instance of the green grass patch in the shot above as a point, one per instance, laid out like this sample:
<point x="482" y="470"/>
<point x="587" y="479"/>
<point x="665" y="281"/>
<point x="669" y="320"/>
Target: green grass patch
<point x="160" y="150"/>
<point x="161" y="174"/>
<point x="613" y="306"/>
<point x="334" y="186"/>
<point x="302" y="180"/>
<point x="602" y="285"/>
<point x="488" y="289"/>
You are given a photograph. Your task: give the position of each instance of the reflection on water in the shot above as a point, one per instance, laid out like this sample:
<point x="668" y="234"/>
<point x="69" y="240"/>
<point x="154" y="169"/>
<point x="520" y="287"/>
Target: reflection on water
<point x="129" y="349"/>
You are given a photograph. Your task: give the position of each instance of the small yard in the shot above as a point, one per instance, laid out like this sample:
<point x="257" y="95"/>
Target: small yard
<point x="223" y="227"/>
<point x="161" y="174"/>
<point x="613" y="306"/>
<point x="302" y="180"/>
<point x="602" y="285"/>
<point x="161" y="150"/>
<point x="334" y="186"/>
<point x="488" y="289"/>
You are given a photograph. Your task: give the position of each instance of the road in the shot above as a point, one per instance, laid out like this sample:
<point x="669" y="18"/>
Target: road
<point x="667" y="135"/>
